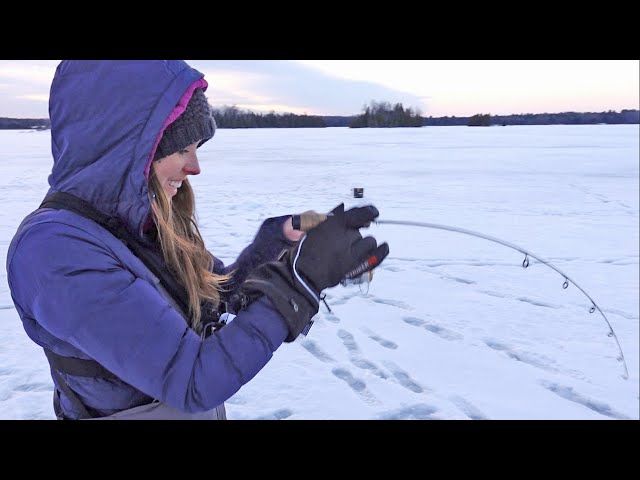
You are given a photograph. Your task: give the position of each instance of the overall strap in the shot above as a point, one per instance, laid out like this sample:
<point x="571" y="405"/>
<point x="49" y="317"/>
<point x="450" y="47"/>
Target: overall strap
<point x="80" y="368"/>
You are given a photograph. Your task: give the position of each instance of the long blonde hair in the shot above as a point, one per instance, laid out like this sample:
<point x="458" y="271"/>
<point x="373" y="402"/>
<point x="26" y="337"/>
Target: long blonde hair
<point x="182" y="246"/>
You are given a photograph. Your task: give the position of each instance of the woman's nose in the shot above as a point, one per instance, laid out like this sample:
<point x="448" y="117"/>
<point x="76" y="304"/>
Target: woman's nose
<point x="192" y="167"/>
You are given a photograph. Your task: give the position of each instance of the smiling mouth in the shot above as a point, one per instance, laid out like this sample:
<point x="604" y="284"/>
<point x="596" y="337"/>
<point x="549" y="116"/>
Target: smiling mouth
<point x="175" y="183"/>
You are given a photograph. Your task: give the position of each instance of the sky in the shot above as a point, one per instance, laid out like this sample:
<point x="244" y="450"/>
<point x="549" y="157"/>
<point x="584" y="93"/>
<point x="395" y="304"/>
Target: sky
<point x="451" y="327"/>
<point x="342" y="87"/>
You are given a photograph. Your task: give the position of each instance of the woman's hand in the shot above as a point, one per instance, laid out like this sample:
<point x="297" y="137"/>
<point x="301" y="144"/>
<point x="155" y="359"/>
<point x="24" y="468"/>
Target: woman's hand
<point x="303" y="223"/>
<point x="289" y="232"/>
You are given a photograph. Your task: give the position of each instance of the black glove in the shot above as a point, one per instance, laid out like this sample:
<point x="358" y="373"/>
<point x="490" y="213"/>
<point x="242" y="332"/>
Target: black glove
<point x="336" y="248"/>
<point x="326" y="255"/>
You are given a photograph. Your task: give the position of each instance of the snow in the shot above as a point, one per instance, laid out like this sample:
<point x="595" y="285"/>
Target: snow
<point x="452" y="326"/>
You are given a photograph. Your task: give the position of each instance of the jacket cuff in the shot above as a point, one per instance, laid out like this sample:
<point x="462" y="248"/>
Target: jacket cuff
<point x="275" y="281"/>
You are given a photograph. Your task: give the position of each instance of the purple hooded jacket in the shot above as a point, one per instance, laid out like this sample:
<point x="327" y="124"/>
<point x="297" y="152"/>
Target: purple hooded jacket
<point x="80" y="292"/>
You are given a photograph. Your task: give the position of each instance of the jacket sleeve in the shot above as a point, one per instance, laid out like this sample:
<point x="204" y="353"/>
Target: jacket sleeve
<point x="76" y="289"/>
<point x="265" y="247"/>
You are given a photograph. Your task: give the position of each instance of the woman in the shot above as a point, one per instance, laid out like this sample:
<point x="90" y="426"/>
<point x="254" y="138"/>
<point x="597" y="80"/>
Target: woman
<point x="112" y="277"/>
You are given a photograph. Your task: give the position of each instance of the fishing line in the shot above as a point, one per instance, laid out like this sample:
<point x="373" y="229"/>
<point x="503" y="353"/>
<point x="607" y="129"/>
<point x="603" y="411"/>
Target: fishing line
<point x="525" y="264"/>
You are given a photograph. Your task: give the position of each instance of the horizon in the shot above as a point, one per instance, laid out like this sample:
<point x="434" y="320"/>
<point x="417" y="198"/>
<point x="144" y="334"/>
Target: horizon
<point x="356" y="114"/>
<point x="434" y="88"/>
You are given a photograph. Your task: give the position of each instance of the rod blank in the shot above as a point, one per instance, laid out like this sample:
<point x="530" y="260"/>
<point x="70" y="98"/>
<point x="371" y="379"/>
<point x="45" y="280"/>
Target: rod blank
<point x="525" y="264"/>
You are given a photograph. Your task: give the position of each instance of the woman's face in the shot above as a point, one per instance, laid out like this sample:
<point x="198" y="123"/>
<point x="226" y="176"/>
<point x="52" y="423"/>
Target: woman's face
<point x="173" y="169"/>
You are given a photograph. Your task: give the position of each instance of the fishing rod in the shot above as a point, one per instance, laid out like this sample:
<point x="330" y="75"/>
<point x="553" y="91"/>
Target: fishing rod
<point x="525" y="264"/>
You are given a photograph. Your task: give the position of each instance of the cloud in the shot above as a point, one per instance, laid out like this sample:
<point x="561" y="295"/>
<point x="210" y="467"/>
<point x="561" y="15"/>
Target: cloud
<point x="24" y="87"/>
<point x="287" y="86"/>
<point x="28" y="72"/>
<point x="257" y="85"/>
<point x="34" y="97"/>
<point x="330" y="87"/>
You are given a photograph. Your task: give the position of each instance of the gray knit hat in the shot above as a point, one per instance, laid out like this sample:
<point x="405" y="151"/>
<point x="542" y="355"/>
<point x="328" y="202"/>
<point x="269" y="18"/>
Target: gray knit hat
<point x="195" y="124"/>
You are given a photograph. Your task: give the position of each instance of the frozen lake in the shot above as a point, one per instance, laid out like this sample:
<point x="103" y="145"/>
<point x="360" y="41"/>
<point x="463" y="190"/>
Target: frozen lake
<point x="452" y="326"/>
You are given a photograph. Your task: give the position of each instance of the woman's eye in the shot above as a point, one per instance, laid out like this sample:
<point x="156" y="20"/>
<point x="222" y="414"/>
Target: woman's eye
<point x="184" y="152"/>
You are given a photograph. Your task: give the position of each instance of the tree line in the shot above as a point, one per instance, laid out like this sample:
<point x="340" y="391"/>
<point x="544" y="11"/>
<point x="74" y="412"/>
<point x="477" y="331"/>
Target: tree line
<point x="233" y="117"/>
<point x="24" y="123"/>
<point x="382" y="114"/>
<point x="377" y="115"/>
<point x="565" y="118"/>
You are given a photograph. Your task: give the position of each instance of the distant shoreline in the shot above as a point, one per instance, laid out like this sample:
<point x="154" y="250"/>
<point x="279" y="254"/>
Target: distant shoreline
<point x="624" y="117"/>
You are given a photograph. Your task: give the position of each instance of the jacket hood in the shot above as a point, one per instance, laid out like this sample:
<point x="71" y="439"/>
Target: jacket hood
<point x="107" y="118"/>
